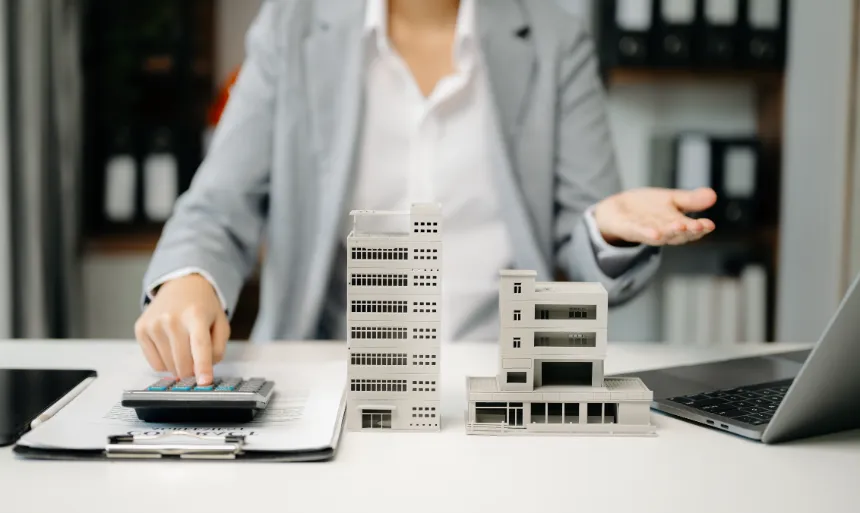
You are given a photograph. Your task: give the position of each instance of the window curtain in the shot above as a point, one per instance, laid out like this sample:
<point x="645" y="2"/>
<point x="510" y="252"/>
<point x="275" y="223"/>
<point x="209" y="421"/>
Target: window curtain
<point x="40" y="155"/>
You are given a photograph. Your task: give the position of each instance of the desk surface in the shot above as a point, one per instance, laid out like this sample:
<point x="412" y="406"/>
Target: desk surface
<point x="684" y="468"/>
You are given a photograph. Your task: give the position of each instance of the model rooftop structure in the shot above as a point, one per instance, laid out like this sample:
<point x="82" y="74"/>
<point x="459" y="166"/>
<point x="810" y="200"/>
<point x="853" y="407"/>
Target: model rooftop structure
<point x="393" y="319"/>
<point x="552" y="346"/>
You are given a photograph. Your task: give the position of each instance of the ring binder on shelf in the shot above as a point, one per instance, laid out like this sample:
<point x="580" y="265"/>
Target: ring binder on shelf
<point x="155" y="446"/>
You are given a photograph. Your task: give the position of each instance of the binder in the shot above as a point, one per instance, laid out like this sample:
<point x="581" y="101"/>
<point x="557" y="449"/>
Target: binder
<point x="675" y="27"/>
<point x="765" y="40"/>
<point x="730" y="166"/>
<point x="161" y="176"/>
<point x="626" y="32"/>
<point x="721" y="34"/>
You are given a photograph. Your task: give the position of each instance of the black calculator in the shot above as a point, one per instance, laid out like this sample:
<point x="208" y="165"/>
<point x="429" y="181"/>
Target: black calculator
<point x="226" y="400"/>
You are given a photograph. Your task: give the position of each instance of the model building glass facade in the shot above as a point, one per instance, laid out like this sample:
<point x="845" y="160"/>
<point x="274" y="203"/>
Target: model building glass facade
<point x="552" y="346"/>
<point x="393" y="319"/>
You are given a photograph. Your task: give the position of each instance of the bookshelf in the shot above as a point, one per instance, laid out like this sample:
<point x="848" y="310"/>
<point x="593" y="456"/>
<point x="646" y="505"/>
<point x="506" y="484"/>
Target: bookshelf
<point x="759" y="244"/>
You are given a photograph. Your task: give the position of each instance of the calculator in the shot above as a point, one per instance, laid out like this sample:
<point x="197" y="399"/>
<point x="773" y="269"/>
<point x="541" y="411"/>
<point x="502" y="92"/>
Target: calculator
<point x="226" y="400"/>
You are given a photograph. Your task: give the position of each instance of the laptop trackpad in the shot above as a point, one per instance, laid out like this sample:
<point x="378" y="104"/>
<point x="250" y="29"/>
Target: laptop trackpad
<point x="675" y="381"/>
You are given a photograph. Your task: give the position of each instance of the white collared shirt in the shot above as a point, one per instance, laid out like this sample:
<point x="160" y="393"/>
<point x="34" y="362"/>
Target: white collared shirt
<point x="419" y="149"/>
<point x="416" y="149"/>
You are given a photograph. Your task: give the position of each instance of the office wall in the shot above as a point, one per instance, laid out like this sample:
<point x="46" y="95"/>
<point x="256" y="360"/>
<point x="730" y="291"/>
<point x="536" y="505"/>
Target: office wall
<point x="817" y="140"/>
<point x="6" y="281"/>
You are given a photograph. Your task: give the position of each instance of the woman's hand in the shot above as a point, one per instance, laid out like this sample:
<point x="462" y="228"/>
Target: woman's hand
<point x="654" y="216"/>
<point x="183" y="330"/>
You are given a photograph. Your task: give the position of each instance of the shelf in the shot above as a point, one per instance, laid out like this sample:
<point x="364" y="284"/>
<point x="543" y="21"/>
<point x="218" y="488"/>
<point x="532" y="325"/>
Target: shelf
<point x="143" y="241"/>
<point x="638" y="76"/>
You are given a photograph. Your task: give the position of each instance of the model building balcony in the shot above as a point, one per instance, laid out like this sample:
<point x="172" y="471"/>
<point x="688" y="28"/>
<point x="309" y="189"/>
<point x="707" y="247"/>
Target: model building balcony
<point x="524" y="343"/>
<point x="550" y="306"/>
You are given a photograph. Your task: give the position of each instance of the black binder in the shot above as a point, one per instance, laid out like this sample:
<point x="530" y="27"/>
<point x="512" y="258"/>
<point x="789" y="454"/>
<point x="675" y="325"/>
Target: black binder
<point x="676" y="25"/>
<point x="732" y="166"/>
<point x="721" y="36"/>
<point x="766" y="34"/>
<point x="625" y="29"/>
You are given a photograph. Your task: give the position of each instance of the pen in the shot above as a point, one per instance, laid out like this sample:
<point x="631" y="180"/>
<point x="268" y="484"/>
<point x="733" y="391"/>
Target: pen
<point x="59" y="405"/>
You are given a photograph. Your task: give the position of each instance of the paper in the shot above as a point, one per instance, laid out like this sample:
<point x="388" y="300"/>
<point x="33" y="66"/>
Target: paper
<point x="305" y="413"/>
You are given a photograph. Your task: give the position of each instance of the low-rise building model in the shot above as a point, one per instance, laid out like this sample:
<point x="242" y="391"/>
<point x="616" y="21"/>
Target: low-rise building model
<point x="393" y="319"/>
<point x="552" y="346"/>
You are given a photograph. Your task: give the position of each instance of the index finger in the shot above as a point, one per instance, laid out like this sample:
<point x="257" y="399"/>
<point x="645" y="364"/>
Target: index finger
<point x="201" y="352"/>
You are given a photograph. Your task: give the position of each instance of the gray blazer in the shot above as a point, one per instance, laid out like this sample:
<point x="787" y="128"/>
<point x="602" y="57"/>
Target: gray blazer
<point x="282" y="159"/>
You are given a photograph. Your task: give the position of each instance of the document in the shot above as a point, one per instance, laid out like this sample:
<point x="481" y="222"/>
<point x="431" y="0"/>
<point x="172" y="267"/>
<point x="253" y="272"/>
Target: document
<point x="305" y="413"/>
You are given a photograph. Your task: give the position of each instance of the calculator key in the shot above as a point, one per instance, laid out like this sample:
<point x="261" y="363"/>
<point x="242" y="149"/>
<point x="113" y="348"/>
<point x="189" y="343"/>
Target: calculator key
<point x="227" y="385"/>
<point x="208" y="388"/>
<point x="161" y="385"/>
<point x="252" y="385"/>
<point x="184" y="385"/>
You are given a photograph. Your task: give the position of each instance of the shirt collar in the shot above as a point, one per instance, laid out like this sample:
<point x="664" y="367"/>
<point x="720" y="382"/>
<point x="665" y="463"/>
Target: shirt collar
<point x="376" y="26"/>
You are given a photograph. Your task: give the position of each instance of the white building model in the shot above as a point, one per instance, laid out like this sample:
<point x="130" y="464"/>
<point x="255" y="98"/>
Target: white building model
<point x="550" y="380"/>
<point x="393" y="321"/>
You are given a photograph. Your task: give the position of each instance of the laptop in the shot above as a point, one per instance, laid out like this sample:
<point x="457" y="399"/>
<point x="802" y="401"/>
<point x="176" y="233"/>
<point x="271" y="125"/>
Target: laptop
<point x="774" y="398"/>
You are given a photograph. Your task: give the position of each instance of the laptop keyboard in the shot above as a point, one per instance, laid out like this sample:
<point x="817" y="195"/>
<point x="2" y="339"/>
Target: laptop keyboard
<point x="754" y="405"/>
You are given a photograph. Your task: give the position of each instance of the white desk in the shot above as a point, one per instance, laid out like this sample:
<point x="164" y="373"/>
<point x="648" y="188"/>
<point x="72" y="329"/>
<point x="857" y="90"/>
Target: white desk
<point x="685" y="468"/>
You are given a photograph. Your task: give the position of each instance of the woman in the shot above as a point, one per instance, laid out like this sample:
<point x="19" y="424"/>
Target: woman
<point x="492" y="108"/>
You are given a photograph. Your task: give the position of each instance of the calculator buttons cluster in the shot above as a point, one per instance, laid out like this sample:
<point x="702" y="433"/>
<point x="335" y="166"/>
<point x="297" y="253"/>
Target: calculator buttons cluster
<point x="217" y="385"/>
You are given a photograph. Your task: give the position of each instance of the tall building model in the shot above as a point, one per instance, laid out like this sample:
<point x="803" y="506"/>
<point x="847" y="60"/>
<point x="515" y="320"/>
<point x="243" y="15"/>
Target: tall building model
<point x="393" y="320"/>
<point x="550" y="380"/>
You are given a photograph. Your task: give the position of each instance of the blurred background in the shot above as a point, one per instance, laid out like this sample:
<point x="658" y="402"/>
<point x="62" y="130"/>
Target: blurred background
<point x="106" y="107"/>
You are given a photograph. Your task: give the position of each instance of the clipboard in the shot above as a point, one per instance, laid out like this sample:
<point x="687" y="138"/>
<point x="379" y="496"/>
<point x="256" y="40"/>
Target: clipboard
<point x="94" y="426"/>
<point x="179" y="445"/>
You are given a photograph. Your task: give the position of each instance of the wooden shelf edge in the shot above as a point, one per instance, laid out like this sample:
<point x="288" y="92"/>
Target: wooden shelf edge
<point x="139" y="242"/>
<point x="638" y="76"/>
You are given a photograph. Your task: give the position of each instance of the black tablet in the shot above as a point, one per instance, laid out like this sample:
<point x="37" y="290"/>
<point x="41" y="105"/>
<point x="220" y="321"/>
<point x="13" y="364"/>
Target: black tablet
<point x="25" y="394"/>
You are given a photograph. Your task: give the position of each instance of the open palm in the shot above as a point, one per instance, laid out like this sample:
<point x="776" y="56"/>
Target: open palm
<point x="654" y="216"/>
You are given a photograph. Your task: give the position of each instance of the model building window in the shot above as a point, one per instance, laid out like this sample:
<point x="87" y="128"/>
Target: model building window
<point x="378" y="385"/>
<point x="538" y="413"/>
<point x="571" y="413"/>
<point x="610" y="413"/>
<point x="376" y="419"/>
<point x="516" y="377"/>
<point x="518" y="315"/>
<point x="518" y="288"/>
<point x="595" y="413"/>
<point x="517" y="341"/>
<point x="490" y="413"/>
